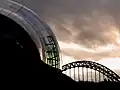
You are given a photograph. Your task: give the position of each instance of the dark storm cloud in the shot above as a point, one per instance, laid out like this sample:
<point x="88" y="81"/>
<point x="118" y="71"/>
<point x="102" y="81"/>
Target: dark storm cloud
<point x="57" y="11"/>
<point x="89" y="23"/>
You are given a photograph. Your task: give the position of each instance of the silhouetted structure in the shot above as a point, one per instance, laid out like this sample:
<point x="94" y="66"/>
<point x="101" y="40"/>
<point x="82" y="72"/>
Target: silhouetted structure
<point x="21" y="63"/>
<point x="83" y="71"/>
<point x="39" y="31"/>
<point x="100" y="85"/>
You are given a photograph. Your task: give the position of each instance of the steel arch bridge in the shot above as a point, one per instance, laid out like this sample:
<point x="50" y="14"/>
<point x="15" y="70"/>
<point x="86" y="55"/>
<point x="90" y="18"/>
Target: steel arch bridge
<point x="39" y="31"/>
<point x="103" y="72"/>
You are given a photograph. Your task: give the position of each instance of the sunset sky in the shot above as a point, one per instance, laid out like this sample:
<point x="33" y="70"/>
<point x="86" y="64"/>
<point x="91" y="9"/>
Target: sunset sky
<point x="85" y="29"/>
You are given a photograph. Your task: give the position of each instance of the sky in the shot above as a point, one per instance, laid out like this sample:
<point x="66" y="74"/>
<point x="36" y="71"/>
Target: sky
<point x="85" y="29"/>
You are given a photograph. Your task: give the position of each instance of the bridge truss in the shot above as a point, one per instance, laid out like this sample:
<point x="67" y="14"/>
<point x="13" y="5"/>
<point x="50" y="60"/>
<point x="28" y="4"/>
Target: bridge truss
<point x="89" y="71"/>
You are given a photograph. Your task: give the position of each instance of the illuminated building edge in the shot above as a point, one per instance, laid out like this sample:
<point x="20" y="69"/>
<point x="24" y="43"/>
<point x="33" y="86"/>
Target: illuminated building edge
<point x="39" y="31"/>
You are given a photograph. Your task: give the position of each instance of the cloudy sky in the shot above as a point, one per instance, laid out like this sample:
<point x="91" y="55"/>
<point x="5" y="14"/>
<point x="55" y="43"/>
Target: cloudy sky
<point x="85" y="29"/>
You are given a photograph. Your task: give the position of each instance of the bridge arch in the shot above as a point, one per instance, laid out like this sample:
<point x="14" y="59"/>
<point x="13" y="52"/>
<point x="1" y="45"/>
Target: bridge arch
<point x="112" y="76"/>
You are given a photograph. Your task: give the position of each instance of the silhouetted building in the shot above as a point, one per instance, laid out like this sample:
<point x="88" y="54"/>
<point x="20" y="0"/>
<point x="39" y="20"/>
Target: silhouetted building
<point x="26" y="45"/>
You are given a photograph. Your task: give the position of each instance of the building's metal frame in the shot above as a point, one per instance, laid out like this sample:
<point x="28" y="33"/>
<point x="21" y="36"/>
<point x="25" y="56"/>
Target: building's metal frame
<point x="112" y="76"/>
<point x="45" y="40"/>
<point x="39" y="31"/>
